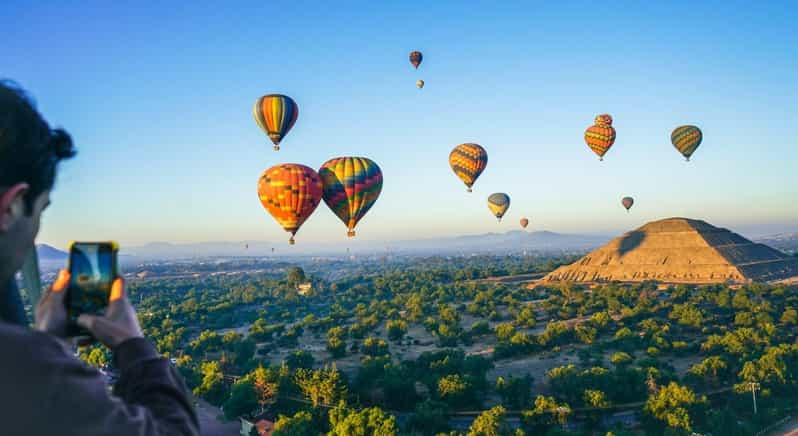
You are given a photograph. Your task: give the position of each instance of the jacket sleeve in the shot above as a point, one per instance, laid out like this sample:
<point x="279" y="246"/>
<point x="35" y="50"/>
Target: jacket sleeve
<point x="150" y="397"/>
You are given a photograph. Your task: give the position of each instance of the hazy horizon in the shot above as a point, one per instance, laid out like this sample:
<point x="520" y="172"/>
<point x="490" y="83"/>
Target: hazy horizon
<point x="159" y="103"/>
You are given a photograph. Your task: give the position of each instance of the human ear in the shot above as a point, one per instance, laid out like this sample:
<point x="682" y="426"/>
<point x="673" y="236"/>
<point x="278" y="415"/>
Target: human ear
<point x="12" y="205"/>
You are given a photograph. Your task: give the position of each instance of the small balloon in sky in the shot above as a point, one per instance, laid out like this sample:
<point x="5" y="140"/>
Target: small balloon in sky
<point x="627" y="202"/>
<point x="275" y="114"/>
<point x="498" y="204"/>
<point x="468" y="161"/>
<point x="686" y="139"/>
<point x="601" y="135"/>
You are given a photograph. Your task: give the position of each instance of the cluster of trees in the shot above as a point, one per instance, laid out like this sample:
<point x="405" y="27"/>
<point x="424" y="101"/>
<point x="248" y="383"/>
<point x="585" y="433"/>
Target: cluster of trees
<point x="625" y="336"/>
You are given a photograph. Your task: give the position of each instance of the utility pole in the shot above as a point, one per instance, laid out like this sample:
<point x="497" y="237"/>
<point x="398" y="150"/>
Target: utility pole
<point x="753" y="386"/>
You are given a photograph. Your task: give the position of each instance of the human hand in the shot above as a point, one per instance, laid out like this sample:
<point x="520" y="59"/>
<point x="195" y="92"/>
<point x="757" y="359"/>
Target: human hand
<point x="119" y="322"/>
<point x="51" y="316"/>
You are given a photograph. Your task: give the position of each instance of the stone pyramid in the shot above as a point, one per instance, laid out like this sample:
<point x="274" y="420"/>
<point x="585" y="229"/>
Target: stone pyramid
<point x="680" y="250"/>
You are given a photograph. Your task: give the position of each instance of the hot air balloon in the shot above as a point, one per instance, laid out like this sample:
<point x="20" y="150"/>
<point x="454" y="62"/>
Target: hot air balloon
<point x="686" y="139"/>
<point x="415" y="58"/>
<point x="524" y="223"/>
<point x="290" y="193"/>
<point x="275" y="115"/>
<point x="600" y="136"/>
<point x="468" y="161"/>
<point x="351" y="186"/>
<point x="498" y="204"/>
<point x="420" y="83"/>
<point x="627" y="202"/>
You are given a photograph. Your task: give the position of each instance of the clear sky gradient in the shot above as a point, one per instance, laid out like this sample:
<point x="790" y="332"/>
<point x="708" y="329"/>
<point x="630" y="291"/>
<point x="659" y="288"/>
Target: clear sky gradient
<point x="159" y="102"/>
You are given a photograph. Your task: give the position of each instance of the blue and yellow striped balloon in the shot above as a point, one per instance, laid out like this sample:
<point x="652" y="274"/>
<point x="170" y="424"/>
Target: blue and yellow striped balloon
<point x="276" y="115"/>
<point x="351" y="187"/>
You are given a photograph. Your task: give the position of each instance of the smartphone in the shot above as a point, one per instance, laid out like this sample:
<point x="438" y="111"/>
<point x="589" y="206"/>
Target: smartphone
<point x="93" y="269"/>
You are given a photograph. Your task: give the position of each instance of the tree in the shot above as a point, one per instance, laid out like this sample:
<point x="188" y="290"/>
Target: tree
<point x="595" y="398"/>
<point x="295" y="275"/>
<point x="321" y="386"/>
<point x="621" y="358"/>
<point x="490" y="423"/>
<point x="430" y="418"/>
<point x="211" y="387"/>
<point x="516" y="392"/>
<point x="547" y="412"/>
<point x="242" y="399"/>
<point x="97" y="357"/>
<point x="790" y="316"/>
<point x="365" y="422"/>
<point x="265" y="387"/>
<point x="300" y="359"/>
<point x="396" y="329"/>
<point x="300" y="424"/>
<point x="671" y="405"/>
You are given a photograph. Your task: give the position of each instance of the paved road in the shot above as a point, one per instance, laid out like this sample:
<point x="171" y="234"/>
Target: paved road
<point x="210" y="425"/>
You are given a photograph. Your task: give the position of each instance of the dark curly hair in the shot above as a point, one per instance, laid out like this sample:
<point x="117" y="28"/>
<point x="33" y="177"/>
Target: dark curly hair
<point x="29" y="149"/>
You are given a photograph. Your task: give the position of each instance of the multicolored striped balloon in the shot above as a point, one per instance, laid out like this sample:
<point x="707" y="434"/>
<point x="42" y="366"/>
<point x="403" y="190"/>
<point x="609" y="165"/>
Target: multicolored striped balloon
<point x="276" y="115"/>
<point x="290" y="193"/>
<point x="498" y="204"/>
<point x="686" y="139"/>
<point x="468" y="161"/>
<point x="351" y="187"/>
<point x="600" y="136"/>
<point x="627" y="202"/>
<point x="415" y="58"/>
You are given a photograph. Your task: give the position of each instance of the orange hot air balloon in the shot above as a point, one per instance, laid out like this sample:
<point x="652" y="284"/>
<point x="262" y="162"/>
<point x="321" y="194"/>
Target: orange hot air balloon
<point x="600" y="136"/>
<point x="524" y="223"/>
<point x="290" y="193"/>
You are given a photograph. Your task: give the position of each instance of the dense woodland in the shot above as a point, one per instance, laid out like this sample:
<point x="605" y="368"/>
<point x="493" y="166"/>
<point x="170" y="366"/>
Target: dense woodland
<point x="681" y="359"/>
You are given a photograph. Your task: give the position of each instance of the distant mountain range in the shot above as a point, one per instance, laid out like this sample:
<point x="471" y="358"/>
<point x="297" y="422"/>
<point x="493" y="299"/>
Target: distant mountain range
<point x="48" y="253"/>
<point x="517" y="241"/>
<point x="496" y="243"/>
<point x="787" y="242"/>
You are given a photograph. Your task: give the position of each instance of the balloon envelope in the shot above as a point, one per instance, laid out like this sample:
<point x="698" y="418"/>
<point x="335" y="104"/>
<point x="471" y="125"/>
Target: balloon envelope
<point x="468" y="161"/>
<point x="498" y="204"/>
<point x="290" y="193"/>
<point x="351" y="187"/>
<point x="627" y="202"/>
<point x="601" y="135"/>
<point x="524" y="223"/>
<point x="415" y="58"/>
<point x="275" y="114"/>
<point x="686" y="139"/>
<point x="420" y="83"/>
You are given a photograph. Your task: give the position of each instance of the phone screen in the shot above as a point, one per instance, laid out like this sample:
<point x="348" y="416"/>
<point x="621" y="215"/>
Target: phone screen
<point x="92" y="268"/>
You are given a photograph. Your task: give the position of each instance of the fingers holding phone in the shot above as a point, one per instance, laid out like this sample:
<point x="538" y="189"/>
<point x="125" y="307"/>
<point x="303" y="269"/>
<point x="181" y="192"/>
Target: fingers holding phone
<point x="51" y="316"/>
<point x="119" y="322"/>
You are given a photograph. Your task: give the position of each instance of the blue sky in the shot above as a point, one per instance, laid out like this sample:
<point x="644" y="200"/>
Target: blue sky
<point x="159" y="102"/>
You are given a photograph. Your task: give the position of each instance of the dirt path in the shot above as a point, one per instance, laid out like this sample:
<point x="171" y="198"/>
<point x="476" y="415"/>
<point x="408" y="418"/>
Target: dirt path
<point x="210" y="425"/>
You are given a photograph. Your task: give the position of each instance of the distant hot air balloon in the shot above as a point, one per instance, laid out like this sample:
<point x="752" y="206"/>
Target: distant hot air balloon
<point x="420" y="83"/>
<point x="290" y="193"/>
<point x="498" y="204"/>
<point x="351" y="186"/>
<point x="524" y="223"/>
<point x="627" y="202"/>
<point x="600" y="136"/>
<point x="275" y="115"/>
<point x="415" y="58"/>
<point x="686" y="139"/>
<point x="468" y="161"/>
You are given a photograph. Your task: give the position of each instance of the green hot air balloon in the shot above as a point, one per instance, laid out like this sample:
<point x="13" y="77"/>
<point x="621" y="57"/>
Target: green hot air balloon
<point x="686" y="139"/>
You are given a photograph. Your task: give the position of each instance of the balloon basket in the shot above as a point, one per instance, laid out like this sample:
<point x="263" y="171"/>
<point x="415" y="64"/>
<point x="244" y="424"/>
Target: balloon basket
<point x="291" y="241"/>
<point x="276" y="148"/>
<point x="468" y="190"/>
<point x="350" y="234"/>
